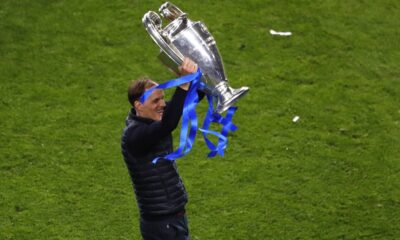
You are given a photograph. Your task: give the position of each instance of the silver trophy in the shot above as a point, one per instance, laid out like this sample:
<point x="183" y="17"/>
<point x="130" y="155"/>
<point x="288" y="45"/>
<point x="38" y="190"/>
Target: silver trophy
<point x="182" y="37"/>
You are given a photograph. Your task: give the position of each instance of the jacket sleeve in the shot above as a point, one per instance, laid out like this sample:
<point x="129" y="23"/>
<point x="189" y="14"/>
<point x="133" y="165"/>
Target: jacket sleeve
<point x="145" y="135"/>
<point x="200" y="94"/>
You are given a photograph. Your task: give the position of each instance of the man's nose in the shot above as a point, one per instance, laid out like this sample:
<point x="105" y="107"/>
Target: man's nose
<point x="163" y="104"/>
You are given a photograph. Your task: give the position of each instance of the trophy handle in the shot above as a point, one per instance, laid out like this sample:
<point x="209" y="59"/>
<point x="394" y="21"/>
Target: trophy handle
<point x="170" y="11"/>
<point x="152" y="23"/>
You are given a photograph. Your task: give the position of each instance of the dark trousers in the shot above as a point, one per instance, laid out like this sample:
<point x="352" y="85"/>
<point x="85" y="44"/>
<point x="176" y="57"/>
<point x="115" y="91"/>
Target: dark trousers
<point x="172" y="228"/>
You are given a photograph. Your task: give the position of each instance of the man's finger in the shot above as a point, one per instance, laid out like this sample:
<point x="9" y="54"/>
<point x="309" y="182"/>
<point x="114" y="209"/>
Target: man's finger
<point x="185" y="62"/>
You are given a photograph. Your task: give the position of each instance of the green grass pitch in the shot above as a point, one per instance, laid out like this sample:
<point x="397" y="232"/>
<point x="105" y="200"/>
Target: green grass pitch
<point x="333" y="174"/>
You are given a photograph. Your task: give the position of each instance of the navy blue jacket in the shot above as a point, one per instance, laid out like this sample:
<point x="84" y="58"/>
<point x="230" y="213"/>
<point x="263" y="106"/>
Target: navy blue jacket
<point x="158" y="187"/>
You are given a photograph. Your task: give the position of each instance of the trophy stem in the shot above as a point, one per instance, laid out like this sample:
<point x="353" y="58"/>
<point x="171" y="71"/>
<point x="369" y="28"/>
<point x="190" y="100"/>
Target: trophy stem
<point x="227" y="96"/>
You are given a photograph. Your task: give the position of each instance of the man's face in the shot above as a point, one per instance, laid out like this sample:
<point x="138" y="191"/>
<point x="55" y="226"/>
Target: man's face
<point x="153" y="107"/>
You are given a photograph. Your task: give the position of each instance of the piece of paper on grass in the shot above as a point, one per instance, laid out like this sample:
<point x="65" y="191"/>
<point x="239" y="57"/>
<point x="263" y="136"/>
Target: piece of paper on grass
<point x="273" y="32"/>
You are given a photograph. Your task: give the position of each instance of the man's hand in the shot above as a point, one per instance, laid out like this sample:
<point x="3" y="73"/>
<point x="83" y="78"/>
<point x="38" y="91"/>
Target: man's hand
<point x="187" y="67"/>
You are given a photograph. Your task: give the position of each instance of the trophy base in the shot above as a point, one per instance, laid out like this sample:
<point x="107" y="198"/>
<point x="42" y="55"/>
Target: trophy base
<point x="229" y="101"/>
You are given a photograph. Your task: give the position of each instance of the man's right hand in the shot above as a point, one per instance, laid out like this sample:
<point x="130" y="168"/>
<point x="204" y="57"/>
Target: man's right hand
<point x="187" y="67"/>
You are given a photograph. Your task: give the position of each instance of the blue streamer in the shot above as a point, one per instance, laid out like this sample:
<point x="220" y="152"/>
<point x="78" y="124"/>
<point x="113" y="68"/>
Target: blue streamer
<point x="212" y="116"/>
<point x="189" y="117"/>
<point x="171" y="83"/>
<point x="187" y="135"/>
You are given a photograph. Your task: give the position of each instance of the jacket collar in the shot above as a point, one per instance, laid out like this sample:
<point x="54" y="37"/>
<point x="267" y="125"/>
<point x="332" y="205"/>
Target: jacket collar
<point x="133" y="117"/>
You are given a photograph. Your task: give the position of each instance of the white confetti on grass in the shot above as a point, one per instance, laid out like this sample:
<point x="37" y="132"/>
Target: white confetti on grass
<point x="273" y="32"/>
<point x="296" y="119"/>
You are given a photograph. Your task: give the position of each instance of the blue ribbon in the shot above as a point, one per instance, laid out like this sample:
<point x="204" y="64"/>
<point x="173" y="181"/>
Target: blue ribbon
<point x="171" y="83"/>
<point x="227" y="124"/>
<point x="189" y="117"/>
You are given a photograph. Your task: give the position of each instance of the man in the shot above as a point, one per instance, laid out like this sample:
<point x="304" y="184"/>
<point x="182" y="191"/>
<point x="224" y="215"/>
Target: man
<point x="159" y="190"/>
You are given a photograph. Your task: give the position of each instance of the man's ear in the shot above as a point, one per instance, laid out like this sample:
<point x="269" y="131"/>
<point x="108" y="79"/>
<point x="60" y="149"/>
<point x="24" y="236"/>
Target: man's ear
<point x="137" y="105"/>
